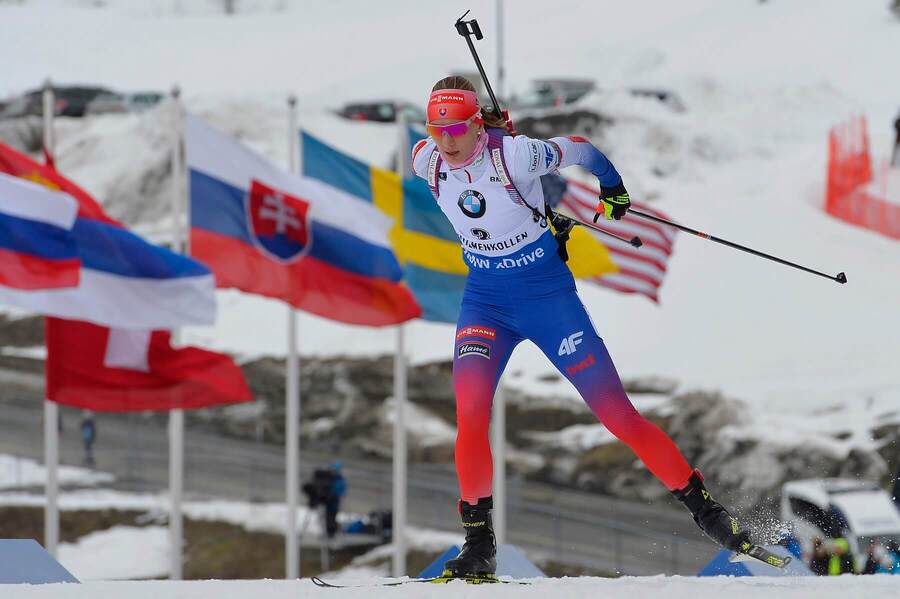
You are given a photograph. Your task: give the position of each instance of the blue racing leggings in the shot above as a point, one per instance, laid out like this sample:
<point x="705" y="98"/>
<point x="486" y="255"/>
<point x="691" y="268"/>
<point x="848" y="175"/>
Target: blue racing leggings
<point x="540" y="304"/>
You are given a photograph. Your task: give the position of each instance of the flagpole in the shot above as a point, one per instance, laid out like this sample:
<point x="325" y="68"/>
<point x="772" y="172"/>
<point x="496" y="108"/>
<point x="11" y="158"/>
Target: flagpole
<point x="51" y="409"/>
<point x="498" y="443"/>
<point x="501" y="71"/>
<point x="292" y="387"/>
<point x="176" y="417"/>
<point x="400" y="457"/>
<point x="400" y="398"/>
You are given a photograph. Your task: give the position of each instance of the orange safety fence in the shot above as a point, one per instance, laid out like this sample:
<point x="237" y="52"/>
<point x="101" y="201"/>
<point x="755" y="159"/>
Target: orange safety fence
<point x="849" y="171"/>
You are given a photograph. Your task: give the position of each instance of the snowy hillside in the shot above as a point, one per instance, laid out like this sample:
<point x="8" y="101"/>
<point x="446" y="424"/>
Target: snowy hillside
<point x="762" y="84"/>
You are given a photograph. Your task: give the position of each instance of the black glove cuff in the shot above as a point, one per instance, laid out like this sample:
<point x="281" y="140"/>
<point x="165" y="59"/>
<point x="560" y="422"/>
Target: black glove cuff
<point x="611" y="192"/>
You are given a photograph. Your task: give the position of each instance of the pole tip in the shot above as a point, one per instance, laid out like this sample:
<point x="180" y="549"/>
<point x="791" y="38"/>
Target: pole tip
<point x="841" y="278"/>
<point x="636" y="241"/>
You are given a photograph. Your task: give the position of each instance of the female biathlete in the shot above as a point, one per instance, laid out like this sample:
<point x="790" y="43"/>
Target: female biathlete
<point x="487" y="184"/>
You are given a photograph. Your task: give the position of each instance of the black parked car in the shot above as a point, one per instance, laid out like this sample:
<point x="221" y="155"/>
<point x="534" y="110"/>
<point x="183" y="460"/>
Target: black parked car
<point x="382" y="111"/>
<point x="70" y="101"/>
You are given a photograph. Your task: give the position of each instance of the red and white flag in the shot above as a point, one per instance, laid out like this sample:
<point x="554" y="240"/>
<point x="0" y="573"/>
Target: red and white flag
<point x="640" y="270"/>
<point x="119" y="370"/>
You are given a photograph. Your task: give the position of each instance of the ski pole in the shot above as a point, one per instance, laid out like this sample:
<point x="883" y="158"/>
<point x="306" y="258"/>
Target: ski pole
<point x="840" y="277"/>
<point x="635" y="241"/>
<point x="470" y="28"/>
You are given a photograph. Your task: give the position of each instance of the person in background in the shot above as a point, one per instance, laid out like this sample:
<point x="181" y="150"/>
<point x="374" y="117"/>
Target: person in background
<point x="891" y="562"/>
<point x="818" y="561"/>
<point x="895" y="157"/>
<point x="895" y="493"/>
<point x="874" y="555"/>
<point x="841" y="558"/>
<point x="880" y="559"/>
<point x="336" y="491"/>
<point x="88" y="436"/>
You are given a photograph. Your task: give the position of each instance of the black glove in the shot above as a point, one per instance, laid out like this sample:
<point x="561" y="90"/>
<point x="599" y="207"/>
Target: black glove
<point x="614" y="202"/>
<point x="562" y="226"/>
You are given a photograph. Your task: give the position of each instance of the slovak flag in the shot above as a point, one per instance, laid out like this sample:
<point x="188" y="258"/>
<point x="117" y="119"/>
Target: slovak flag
<point x="124" y="281"/>
<point x="297" y="239"/>
<point x="124" y="370"/>
<point x="37" y="248"/>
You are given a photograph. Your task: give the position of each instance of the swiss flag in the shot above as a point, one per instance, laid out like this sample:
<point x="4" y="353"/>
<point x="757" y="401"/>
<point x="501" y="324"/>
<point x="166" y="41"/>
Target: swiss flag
<point x="117" y="370"/>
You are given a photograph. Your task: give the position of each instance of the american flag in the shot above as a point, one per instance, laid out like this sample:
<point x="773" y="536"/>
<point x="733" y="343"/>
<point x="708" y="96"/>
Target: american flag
<point x="641" y="270"/>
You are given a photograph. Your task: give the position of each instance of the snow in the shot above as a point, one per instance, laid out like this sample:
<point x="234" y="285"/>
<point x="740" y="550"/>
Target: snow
<point x="34" y="353"/>
<point x="254" y="516"/>
<point x="429" y="429"/>
<point x="575" y="438"/>
<point x="676" y="587"/>
<point x="18" y="472"/>
<point x="885" y="183"/>
<point x="121" y="552"/>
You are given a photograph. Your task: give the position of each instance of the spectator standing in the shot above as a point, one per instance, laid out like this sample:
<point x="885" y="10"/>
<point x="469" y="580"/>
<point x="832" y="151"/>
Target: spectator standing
<point x="88" y="436"/>
<point x="882" y="559"/>
<point x="874" y="556"/>
<point x="841" y="560"/>
<point x="895" y="157"/>
<point x="336" y="491"/>
<point x="818" y="561"/>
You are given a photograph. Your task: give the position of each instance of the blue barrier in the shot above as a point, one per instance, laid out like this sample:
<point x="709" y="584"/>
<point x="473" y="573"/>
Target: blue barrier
<point x="24" y="561"/>
<point x="721" y="565"/>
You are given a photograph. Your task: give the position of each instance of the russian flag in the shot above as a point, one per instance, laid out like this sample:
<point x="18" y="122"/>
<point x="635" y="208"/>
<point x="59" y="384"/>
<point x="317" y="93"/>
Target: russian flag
<point x="125" y="282"/>
<point x="37" y="248"/>
<point x="268" y="232"/>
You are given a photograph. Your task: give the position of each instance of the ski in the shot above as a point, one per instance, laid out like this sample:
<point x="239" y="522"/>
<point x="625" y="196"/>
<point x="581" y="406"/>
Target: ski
<point x="751" y="552"/>
<point x="432" y="580"/>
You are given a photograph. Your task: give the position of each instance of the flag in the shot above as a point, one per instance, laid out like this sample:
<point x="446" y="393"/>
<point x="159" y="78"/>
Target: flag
<point x="125" y="282"/>
<point x="37" y="248"/>
<point x="638" y="270"/>
<point x="268" y="232"/>
<point x="119" y="370"/>
<point x="422" y="237"/>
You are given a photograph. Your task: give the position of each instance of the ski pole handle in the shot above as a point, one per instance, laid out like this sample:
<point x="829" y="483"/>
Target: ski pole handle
<point x="467" y="28"/>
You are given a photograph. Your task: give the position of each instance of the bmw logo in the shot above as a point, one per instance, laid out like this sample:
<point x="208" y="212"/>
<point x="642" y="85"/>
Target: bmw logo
<point x="481" y="234"/>
<point x="472" y="203"/>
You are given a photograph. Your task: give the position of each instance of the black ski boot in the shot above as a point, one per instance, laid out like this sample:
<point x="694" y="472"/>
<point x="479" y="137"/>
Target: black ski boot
<point x="478" y="558"/>
<point x="711" y="517"/>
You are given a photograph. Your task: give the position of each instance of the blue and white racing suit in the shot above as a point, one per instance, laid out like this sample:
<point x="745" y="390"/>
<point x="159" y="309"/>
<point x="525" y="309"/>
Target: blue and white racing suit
<point x="519" y="288"/>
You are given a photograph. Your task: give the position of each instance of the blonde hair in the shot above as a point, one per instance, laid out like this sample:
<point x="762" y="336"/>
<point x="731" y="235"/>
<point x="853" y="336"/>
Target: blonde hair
<point x="491" y="118"/>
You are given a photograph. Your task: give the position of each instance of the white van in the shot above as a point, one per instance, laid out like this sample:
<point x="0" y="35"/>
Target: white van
<point x="864" y="509"/>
